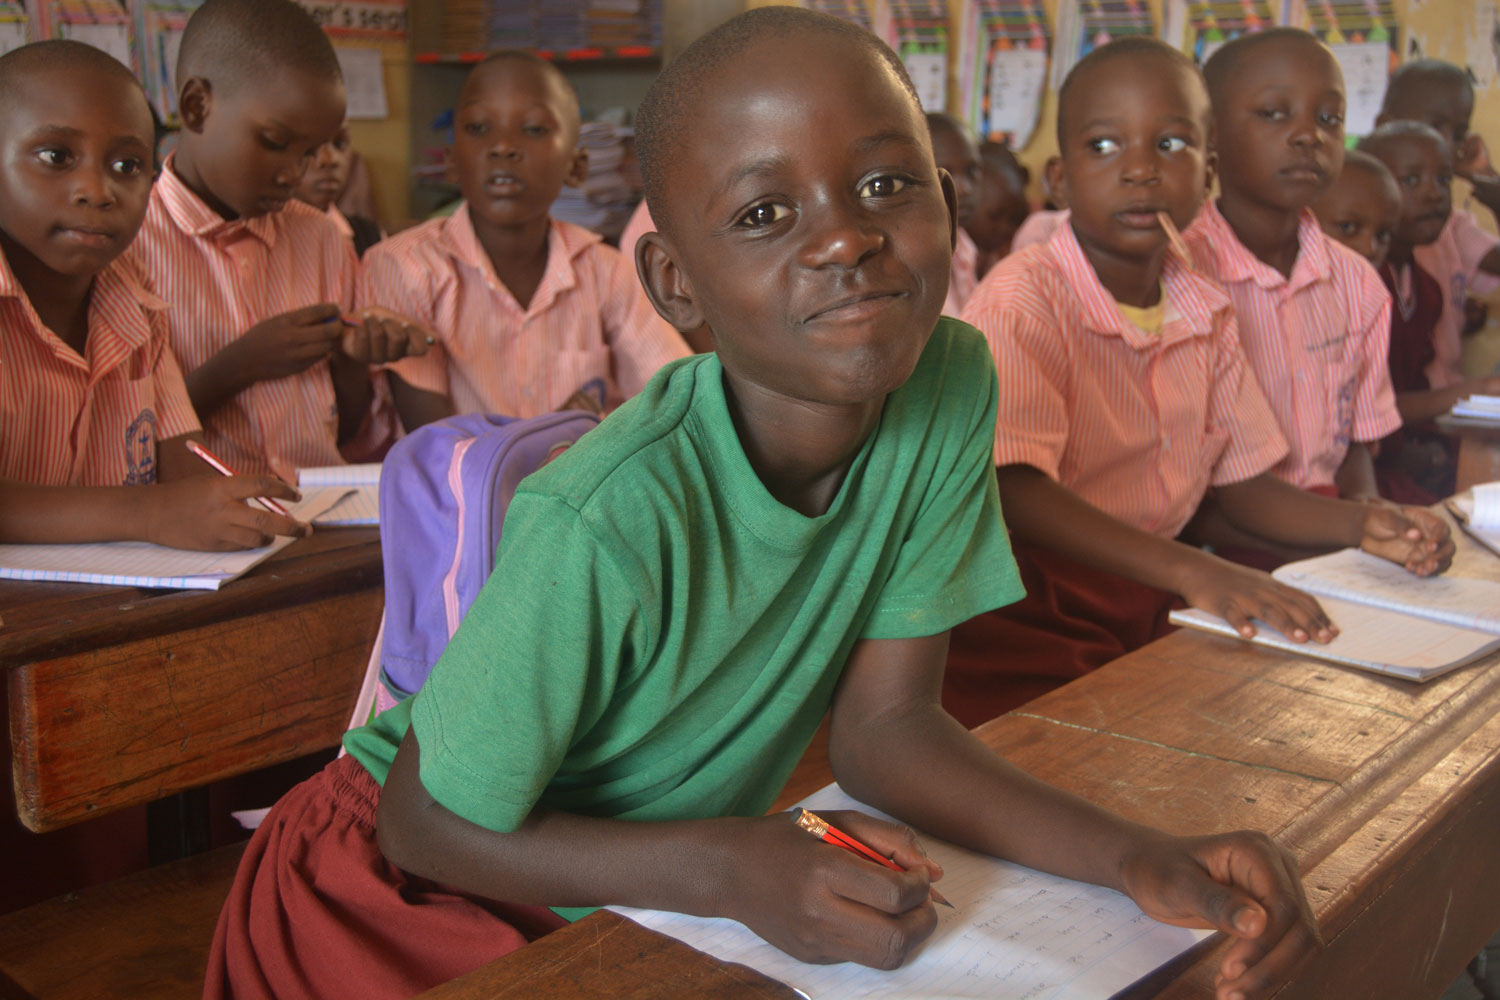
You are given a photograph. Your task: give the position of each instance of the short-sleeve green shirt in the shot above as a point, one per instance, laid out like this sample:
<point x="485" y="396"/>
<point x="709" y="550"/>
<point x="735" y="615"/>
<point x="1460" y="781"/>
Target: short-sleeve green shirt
<point x="661" y="637"/>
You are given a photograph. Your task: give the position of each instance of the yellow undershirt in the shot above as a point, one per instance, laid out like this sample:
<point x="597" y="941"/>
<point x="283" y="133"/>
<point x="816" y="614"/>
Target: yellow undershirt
<point x="1147" y="318"/>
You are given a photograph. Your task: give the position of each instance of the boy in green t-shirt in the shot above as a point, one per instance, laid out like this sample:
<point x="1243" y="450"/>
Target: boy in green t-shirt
<point x="788" y="526"/>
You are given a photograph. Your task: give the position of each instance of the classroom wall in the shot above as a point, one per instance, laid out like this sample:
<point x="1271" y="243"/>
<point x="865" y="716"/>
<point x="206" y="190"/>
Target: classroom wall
<point x="385" y="143"/>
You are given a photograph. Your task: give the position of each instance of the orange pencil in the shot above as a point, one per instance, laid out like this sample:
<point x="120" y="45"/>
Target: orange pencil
<point x="218" y="466"/>
<point x="829" y="834"/>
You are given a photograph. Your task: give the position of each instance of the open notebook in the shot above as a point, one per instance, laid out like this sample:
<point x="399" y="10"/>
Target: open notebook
<point x="142" y="564"/>
<point x="360" y="504"/>
<point x="1389" y="621"/>
<point x="1478" y="513"/>
<point x="1013" y="932"/>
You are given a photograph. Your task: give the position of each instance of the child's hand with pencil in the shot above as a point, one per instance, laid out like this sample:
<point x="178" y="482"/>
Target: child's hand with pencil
<point x="213" y="513"/>
<point x="821" y="904"/>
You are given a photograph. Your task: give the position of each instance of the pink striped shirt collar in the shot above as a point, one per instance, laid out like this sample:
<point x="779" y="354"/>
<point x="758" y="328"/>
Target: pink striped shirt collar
<point x="193" y="216"/>
<point x="1192" y="300"/>
<point x="1237" y="263"/>
<point x="115" y="283"/>
<point x="564" y="243"/>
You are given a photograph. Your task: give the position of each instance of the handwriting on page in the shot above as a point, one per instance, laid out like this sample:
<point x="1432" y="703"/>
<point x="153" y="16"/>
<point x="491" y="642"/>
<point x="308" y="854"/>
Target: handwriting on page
<point x="1015" y="933"/>
<point x="1366" y="579"/>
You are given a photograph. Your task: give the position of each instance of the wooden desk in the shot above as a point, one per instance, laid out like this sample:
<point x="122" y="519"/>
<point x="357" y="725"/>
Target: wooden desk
<point x="120" y="695"/>
<point x="1388" y="793"/>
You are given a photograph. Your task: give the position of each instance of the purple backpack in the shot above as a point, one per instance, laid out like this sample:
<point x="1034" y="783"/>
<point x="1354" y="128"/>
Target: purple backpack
<point x="443" y="493"/>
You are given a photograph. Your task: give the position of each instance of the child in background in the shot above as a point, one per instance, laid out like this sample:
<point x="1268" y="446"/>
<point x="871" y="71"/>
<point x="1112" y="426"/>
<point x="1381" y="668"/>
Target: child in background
<point x="954" y="150"/>
<point x="324" y="183"/>
<point x="257" y="280"/>
<point x="1362" y="208"/>
<point x="1000" y="207"/>
<point x="527" y="310"/>
<point x="1421" y="160"/>
<point x="1313" y="316"/>
<point x="785" y="526"/>
<point x="92" y="404"/>
<point x="1464" y="259"/>
<point x="1125" y="398"/>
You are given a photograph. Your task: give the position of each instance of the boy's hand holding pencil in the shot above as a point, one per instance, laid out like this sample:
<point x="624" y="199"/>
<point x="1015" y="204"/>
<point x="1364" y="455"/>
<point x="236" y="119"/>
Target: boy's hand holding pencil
<point x="212" y="513"/>
<point x="822" y="904"/>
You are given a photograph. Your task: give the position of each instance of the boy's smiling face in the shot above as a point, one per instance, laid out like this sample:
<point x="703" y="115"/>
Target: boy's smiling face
<point x="248" y="144"/>
<point x="1423" y="168"/>
<point x="806" y="222"/>
<point x="1280" y="124"/>
<point x="75" y="168"/>
<point x="1135" y="143"/>
<point x="515" y="142"/>
<point x="1361" y="211"/>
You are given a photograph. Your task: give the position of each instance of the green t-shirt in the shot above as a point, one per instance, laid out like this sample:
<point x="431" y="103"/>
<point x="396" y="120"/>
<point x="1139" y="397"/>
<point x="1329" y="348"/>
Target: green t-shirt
<point x="661" y="637"/>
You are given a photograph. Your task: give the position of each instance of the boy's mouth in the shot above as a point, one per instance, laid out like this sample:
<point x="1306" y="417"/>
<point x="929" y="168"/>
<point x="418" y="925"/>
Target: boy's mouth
<point x="504" y="185"/>
<point x="1303" y="172"/>
<point x="88" y="236"/>
<point x="1139" y="216"/>
<point x="855" y="307"/>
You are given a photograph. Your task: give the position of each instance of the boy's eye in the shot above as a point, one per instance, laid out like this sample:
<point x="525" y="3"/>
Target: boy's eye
<point x="53" y="156"/>
<point x="764" y="214"/>
<point x="1331" y="118"/>
<point x="535" y="130"/>
<point x="129" y="166"/>
<point x="476" y="128"/>
<point x="1272" y="114"/>
<point x="272" y="144"/>
<point x="1103" y="146"/>
<point x="881" y="187"/>
<point x="1347" y="228"/>
<point x="1411" y="180"/>
<point x="1445" y="179"/>
<point x="1171" y="144"/>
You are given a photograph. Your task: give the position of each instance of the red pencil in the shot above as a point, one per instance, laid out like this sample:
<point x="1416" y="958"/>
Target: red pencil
<point x="829" y="834"/>
<point x="224" y="470"/>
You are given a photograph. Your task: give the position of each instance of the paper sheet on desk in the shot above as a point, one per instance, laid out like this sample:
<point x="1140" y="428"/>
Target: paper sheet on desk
<point x="1014" y="933"/>
<point x="361" y="502"/>
<point x="142" y="564"/>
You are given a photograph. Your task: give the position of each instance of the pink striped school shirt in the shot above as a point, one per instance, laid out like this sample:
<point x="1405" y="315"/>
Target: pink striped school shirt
<point x="221" y="278"/>
<point x="1139" y="425"/>
<point x="963" y="278"/>
<point x="93" y="419"/>
<point x="1453" y="259"/>
<point x="1317" y="341"/>
<point x="588" y="320"/>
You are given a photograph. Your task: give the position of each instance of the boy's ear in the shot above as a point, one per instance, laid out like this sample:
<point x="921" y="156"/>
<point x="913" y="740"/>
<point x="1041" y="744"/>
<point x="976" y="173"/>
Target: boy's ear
<point x="578" y="170"/>
<point x="1057" y="181"/>
<point x="1210" y="171"/>
<point x="950" y="195"/>
<point x="195" y="99"/>
<point x="670" y="291"/>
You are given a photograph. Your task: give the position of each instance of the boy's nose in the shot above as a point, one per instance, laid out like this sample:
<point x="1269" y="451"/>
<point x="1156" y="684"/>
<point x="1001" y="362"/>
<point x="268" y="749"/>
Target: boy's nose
<point x="843" y="241"/>
<point x="1305" y="133"/>
<point x="91" y="187"/>
<point x="1139" y="167"/>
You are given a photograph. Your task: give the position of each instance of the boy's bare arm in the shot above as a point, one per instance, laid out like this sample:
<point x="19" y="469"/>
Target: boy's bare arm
<point x="815" y="903"/>
<point x="1042" y="511"/>
<point x="417" y="407"/>
<point x="893" y="746"/>
<point x="1426" y="404"/>
<point x="1413" y="537"/>
<point x="274" y="348"/>
<point x="1355" y="477"/>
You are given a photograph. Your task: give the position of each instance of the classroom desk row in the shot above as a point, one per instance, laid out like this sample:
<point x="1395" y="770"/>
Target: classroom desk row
<point x="1387" y="792"/>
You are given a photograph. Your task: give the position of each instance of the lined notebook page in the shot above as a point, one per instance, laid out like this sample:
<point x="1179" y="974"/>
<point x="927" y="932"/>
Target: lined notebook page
<point x="1365" y="579"/>
<point x="1014" y="933"/>
<point x="365" y="474"/>
<point x="360" y="506"/>
<point x="1369" y="638"/>
<point x="142" y="564"/>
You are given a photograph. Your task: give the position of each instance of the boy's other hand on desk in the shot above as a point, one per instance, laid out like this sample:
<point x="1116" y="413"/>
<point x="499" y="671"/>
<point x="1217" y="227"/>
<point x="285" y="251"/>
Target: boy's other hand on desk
<point x="1408" y="536"/>
<point x="822" y="904"/>
<point x="1242" y="884"/>
<point x="380" y="336"/>
<point x="1237" y="594"/>
<point x="212" y="513"/>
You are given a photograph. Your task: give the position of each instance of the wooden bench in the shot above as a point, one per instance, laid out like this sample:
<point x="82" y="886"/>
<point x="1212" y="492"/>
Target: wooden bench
<point x="120" y="696"/>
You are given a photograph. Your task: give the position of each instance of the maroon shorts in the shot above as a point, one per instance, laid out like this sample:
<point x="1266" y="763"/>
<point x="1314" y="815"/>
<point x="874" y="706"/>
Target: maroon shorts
<point x="1073" y="619"/>
<point x="317" y="911"/>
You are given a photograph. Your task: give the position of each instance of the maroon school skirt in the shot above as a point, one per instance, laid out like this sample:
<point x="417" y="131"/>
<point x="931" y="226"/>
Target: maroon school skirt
<point x="317" y="911"/>
<point x="1073" y="619"/>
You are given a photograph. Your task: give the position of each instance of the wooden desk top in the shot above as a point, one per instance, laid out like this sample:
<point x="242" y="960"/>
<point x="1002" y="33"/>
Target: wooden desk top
<point x="1388" y="793"/>
<point x="45" y="620"/>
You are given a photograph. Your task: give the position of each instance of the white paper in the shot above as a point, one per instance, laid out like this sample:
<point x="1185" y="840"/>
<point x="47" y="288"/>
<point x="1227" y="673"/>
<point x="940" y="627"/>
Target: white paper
<point x="1369" y="638"/>
<point x="142" y="564"/>
<point x="360" y="507"/>
<point x="1017" y="79"/>
<point x="364" y="82"/>
<point x="1366" y="66"/>
<point x="1358" y="576"/>
<point x="1014" y="932"/>
<point x="929" y="72"/>
<point x="112" y="38"/>
<point x="360" y="474"/>
<point x="1484" y="512"/>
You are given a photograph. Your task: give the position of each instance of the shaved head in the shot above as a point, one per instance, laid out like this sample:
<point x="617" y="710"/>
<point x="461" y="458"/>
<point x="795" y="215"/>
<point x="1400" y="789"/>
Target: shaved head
<point x="666" y="117"/>
<point x="1223" y="67"/>
<point x="61" y="54"/>
<point x="1413" y="80"/>
<point x="1138" y="47"/>
<point x="489" y="71"/>
<point x="1391" y="135"/>
<point x="234" y="42"/>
